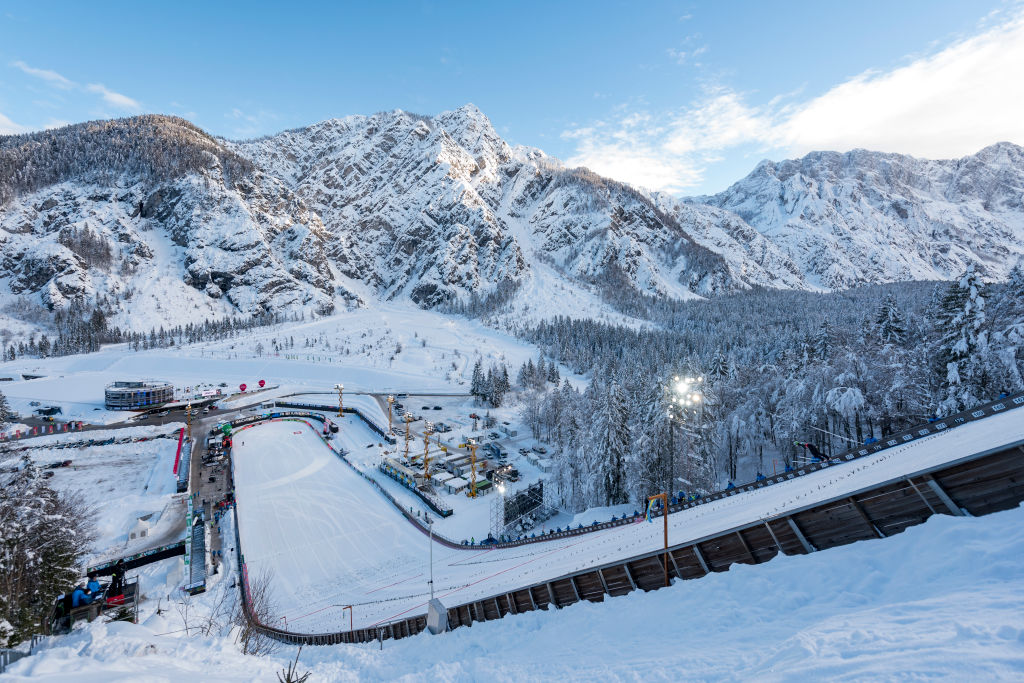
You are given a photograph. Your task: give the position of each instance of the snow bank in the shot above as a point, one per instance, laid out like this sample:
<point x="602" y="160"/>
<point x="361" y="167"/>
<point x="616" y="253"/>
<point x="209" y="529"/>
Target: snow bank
<point x="943" y="599"/>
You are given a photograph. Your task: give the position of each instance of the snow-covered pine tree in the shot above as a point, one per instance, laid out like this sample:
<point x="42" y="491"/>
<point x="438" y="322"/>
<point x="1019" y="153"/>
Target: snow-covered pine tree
<point x="613" y="442"/>
<point x="553" y="375"/>
<point x="476" y="385"/>
<point x="45" y="535"/>
<point x="963" y="351"/>
<point x="540" y="376"/>
<point x="6" y="415"/>
<point x="890" y="326"/>
<point x="1008" y="333"/>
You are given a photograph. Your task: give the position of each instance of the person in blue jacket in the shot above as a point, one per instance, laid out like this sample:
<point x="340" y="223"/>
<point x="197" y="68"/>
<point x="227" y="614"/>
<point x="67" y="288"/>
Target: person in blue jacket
<point x="94" y="586"/>
<point x="81" y="596"/>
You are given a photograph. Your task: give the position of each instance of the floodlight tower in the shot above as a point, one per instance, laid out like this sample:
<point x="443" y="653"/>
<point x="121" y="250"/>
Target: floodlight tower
<point x="391" y="402"/>
<point x="188" y="417"/>
<point x="471" y="445"/>
<point x="427" y="432"/>
<point x="408" y="419"/>
<point x="340" y="388"/>
<point x="687" y="395"/>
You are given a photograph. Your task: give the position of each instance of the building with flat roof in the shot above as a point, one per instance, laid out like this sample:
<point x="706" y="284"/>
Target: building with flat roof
<point x="138" y="395"/>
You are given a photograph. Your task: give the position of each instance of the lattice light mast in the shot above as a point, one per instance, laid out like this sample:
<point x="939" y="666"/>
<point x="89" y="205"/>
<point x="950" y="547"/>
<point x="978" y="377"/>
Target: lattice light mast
<point x="471" y="445"/>
<point x="340" y="388"/>
<point x="188" y="417"/>
<point x="391" y="402"/>
<point x="408" y="419"/>
<point x="427" y="432"/>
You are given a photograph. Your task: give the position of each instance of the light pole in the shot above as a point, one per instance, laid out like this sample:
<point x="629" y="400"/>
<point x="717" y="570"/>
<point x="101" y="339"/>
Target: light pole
<point x="664" y="514"/>
<point x="350" y="610"/>
<point x="428" y="430"/>
<point x="430" y="525"/>
<point x="687" y="396"/>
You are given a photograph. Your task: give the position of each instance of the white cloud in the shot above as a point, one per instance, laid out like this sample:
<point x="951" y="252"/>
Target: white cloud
<point x="51" y="77"/>
<point x="115" y="99"/>
<point x="250" y="125"/>
<point x="950" y="104"/>
<point x="56" y="80"/>
<point x="8" y="127"/>
<point x="947" y="104"/>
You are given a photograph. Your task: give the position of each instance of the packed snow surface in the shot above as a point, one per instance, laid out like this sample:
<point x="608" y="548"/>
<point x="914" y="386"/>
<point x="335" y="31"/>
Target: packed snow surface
<point x="327" y="538"/>
<point x="943" y="600"/>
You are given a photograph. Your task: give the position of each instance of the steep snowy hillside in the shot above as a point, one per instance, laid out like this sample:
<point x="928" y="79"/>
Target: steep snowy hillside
<point x="161" y="224"/>
<point x="867" y="217"/>
<point x="160" y="244"/>
<point x="438" y="208"/>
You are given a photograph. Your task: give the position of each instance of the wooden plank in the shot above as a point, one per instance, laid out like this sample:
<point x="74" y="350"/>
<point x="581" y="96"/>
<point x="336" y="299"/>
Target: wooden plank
<point x="746" y="547"/>
<point x="864" y="516"/>
<point x="575" y="588"/>
<point x="686" y="560"/>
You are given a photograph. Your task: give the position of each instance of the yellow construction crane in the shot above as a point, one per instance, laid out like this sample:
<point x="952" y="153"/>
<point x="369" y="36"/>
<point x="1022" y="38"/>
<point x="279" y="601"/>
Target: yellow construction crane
<point x="472" y="468"/>
<point x="408" y="419"/>
<point x="427" y="432"/>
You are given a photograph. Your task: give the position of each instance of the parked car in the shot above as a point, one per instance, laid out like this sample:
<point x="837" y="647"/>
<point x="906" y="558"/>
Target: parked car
<point x="426" y="407"/>
<point x="523" y="451"/>
<point x="474" y="416"/>
<point x="494" y="435"/>
<point x="437" y="407"/>
<point x="540" y="449"/>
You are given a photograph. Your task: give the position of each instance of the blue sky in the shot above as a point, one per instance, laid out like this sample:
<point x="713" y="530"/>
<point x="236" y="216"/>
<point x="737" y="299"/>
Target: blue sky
<point x="683" y="97"/>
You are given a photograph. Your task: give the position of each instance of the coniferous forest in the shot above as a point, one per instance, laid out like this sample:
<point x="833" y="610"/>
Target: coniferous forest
<point x="772" y="368"/>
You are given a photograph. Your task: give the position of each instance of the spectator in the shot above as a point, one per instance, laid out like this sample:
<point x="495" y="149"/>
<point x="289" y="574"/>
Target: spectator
<point x="94" y="585"/>
<point x="81" y="596"/>
<point x="117" y="579"/>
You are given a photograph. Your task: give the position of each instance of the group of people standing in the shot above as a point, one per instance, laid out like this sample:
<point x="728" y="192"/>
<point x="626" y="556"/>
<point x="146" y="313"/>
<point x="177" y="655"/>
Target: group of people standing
<point x="90" y="591"/>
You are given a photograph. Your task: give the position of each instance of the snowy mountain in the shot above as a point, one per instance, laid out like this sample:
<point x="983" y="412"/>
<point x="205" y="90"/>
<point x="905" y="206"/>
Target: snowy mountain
<point x="161" y="223"/>
<point x="867" y="217"/>
<point x="437" y="208"/>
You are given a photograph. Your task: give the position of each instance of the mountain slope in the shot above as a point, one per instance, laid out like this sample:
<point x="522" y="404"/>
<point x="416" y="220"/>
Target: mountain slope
<point x="159" y="223"/>
<point x="865" y="217"/>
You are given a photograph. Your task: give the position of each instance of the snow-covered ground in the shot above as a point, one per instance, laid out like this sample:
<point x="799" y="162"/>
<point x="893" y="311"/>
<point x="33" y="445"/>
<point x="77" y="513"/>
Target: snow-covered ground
<point x="121" y="481"/>
<point x="391" y="348"/>
<point x="943" y="600"/>
<point x="328" y="538"/>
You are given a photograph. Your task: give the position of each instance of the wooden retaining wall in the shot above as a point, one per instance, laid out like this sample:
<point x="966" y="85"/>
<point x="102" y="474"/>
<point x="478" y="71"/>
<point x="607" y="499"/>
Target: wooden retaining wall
<point x="978" y="484"/>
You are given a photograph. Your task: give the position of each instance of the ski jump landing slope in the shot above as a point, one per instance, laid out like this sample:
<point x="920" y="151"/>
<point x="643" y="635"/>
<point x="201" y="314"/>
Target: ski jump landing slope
<point x="328" y="539"/>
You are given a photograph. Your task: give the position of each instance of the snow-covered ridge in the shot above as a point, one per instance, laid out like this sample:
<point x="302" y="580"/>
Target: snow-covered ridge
<point x="164" y="224"/>
<point x="866" y="217"/>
